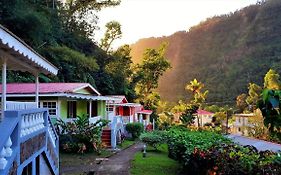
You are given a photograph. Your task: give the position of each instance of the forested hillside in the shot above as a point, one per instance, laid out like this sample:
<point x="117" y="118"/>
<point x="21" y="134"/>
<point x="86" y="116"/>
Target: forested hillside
<point x="63" y="33"/>
<point x="224" y="52"/>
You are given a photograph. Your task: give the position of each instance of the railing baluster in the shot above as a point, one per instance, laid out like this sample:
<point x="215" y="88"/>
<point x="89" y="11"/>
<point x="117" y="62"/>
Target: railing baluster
<point x="31" y="123"/>
<point x="3" y="161"/>
<point x="8" y="149"/>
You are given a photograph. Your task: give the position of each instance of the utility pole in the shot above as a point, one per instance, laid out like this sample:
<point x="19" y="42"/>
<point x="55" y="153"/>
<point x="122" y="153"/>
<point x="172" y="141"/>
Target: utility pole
<point x="226" y="127"/>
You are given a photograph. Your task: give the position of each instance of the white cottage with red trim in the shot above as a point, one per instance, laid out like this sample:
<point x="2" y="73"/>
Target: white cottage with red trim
<point x="203" y="117"/>
<point x="130" y="112"/>
<point x="64" y="100"/>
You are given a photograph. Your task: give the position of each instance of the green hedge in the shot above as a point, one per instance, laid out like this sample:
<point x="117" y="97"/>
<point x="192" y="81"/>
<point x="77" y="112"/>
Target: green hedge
<point x="135" y="129"/>
<point x="154" y="138"/>
<point x="204" y="152"/>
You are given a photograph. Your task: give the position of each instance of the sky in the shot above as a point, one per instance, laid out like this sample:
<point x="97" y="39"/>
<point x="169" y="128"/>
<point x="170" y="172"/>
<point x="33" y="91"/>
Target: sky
<point x="155" y="18"/>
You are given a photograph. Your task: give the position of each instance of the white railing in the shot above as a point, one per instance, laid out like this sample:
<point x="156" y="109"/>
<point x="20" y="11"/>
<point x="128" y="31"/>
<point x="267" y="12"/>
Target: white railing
<point x="52" y="133"/>
<point x="5" y="153"/>
<point x="126" y="119"/>
<point x="116" y="125"/>
<point x="93" y="120"/>
<point x="15" y="105"/>
<point x="31" y="122"/>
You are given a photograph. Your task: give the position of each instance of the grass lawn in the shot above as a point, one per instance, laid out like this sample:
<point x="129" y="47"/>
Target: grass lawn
<point x="126" y="144"/>
<point x="155" y="163"/>
<point x="84" y="160"/>
<point x="71" y="159"/>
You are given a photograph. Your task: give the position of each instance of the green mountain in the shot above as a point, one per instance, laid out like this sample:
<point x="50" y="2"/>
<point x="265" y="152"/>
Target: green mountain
<point x="224" y="52"/>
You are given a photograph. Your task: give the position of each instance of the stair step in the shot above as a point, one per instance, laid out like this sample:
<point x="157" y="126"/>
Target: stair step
<point x="105" y="137"/>
<point x="106" y="134"/>
<point x="106" y="140"/>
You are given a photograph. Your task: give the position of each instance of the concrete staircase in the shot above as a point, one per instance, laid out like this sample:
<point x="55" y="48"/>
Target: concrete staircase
<point x="106" y="137"/>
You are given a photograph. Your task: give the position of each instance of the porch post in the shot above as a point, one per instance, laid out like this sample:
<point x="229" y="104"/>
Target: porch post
<point x="37" y="89"/>
<point x="90" y="109"/>
<point x="4" y="86"/>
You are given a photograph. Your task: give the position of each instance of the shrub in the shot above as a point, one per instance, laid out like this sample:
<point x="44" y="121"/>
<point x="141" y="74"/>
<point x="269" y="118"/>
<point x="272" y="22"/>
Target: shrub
<point x="135" y="129"/>
<point x="154" y="138"/>
<point x="233" y="159"/>
<point x="204" y="152"/>
<point x="80" y="136"/>
<point x="181" y="142"/>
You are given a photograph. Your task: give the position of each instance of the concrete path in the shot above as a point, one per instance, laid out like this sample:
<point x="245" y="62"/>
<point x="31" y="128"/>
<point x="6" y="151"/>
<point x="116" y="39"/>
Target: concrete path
<point x="120" y="163"/>
<point x="261" y="145"/>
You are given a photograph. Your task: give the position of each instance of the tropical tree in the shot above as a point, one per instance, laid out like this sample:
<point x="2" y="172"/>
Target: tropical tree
<point x="147" y="74"/>
<point x="270" y="104"/>
<point x="195" y="87"/>
<point x="241" y="103"/>
<point x="120" y="69"/>
<point x="80" y="15"/>
<point x="270" y="107"/>
<point x="271" y="80"/>
<point x="113" y="32"/>
<point x="254" y="95"/>
<point x="187" y="117"/>
<point x="198" y="97"/>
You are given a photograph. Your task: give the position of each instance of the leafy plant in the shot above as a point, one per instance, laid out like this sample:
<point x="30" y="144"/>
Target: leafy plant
<point x="154" y="138"/>
<point x="270" y="108"/>
<point x="203" y="152"/>
<point x="80" y="136"/>
<point x="135" y="129"/>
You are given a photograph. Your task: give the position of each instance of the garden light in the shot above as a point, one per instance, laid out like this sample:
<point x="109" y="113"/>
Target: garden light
<point x="144" y="151"/>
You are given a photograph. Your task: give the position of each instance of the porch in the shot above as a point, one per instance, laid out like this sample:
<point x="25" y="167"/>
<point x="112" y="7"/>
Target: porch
<point x="28" y="140"/>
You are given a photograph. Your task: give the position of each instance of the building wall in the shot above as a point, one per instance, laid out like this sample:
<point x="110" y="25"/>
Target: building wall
<point x="63" y="109"/>
<point x="81" y="107"/>
<point x="101" y="109"/>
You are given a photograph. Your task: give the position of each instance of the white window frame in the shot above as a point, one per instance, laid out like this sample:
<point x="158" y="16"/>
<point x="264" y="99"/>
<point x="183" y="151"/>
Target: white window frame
<point x="50" y="101"/>
<point x="108" y="107"/>
<point x="68" y="117"/>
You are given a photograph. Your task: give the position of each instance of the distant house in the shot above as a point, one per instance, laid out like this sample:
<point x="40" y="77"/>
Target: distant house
<point x="241" y="124"/>
<point x="130" y="112"/>
<point x="203" y="117"/>
<point x="64" y="100"/>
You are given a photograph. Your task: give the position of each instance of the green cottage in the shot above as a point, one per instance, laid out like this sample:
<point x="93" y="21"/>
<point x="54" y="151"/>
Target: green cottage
<point x="64" y="100"/>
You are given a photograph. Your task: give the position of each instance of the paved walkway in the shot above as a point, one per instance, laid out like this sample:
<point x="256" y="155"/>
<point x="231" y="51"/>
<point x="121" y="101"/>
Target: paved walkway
<point x="261" y="145"/>
<point x="120" y="163"/>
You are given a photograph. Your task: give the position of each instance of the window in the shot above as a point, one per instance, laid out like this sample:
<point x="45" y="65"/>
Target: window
<point x="71" y="109"/>
<point x="109" y="108"/>
<point x="51" y="105"/>
<point x="126" y="111"/>
<point x="94" y="108"/>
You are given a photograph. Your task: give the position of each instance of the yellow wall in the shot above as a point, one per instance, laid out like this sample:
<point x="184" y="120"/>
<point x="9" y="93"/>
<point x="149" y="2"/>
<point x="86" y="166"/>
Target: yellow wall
<point x="81" y="108"/>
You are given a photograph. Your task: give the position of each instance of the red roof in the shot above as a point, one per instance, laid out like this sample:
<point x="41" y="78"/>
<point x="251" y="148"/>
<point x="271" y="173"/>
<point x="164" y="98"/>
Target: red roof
<point x="203" y="112"/>
<point x="44" y="88"/>
<point x="145" y="111"/>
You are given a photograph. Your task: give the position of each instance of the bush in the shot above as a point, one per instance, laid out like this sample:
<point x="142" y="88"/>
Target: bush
<point x="80" y="136"/>
<point x="154" y="138"/>
<point x="182" y="142"/>
<point x="233" y="159"/>
<point x="135" y="129"/>
<point x="204" y="152"/>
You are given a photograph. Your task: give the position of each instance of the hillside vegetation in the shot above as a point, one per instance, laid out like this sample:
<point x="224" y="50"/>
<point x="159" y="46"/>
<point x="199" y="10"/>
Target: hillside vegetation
<point x="224" y="52"/>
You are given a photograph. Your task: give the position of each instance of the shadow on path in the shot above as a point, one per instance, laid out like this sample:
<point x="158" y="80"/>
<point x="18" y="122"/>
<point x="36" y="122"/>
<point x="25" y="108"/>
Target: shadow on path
<point x="119" y="163"/>
<point x="261" y="145"/>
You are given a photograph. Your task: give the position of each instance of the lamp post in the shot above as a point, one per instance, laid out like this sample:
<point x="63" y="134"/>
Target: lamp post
<point x="144" y="151"/>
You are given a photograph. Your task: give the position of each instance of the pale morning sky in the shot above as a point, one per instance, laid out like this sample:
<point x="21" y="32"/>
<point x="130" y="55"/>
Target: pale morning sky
<point x="147" y="18"/>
